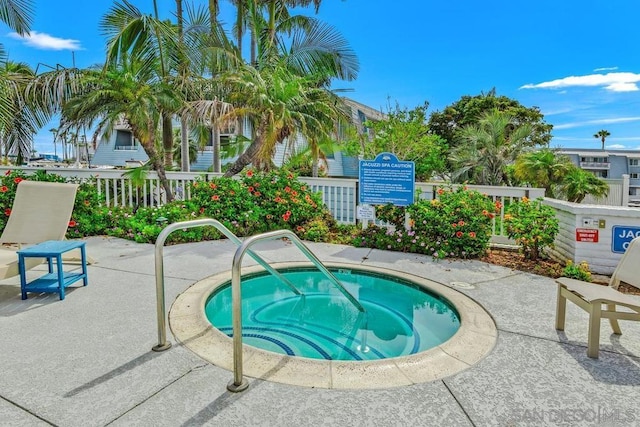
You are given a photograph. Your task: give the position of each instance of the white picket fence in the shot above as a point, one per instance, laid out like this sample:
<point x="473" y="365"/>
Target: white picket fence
<point x="339" y="195"/>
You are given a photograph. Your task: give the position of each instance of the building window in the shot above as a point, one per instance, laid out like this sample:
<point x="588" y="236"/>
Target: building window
<point x="633" y="162"/>
<point x="594" y="159"/>
<point x="634" y="176"/>
<point x="601" y="174"/>
<point x="124" y="140"/>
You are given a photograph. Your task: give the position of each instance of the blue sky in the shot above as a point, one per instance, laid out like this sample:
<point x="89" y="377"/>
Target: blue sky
<point x="578" y="61"/>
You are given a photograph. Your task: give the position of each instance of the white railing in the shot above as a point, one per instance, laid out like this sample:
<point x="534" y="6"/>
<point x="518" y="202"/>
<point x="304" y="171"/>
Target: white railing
<point x="618" y="193"/>
<point x="595" y="165"/>
<point x="339" y="195"/>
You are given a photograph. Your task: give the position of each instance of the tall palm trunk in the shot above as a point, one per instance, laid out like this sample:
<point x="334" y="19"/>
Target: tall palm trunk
<point x="185" y="165"/>
<point x="167" y="140"/>
<point x="215" y="135"/>
<point x="244" y="159"/>
<point x="240" y="18"/>
<point x="272" y="24"/>
<point x="184" y="142"/>
<point x="184" y="125"/>
<point x="147" y="140"/>
<point x="315" y="154"/>
<point x="249" y="155"/>
<point x="213" y="11"/>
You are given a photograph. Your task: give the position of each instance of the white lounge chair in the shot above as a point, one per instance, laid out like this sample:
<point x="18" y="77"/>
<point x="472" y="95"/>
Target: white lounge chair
<point x="41" y="211"/>
<point x="591" y="298"/>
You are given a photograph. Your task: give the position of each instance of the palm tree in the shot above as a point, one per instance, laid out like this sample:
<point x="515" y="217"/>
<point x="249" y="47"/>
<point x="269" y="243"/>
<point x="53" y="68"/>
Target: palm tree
<point x="54" y="131"/>
<point x="20" y="115"/>
<point x="18" y="15"/>
<point x="542" y="168"/>
<point x="154" y="42"/>
<point x="602" y="135"/>
<point x="129" y="90"/>
<point x="277" y="12"/>
<point x="283" y="104"/>
<point x="485" y="149"/>
<point x="297" y="56"/>
<point x="578" y="183"/>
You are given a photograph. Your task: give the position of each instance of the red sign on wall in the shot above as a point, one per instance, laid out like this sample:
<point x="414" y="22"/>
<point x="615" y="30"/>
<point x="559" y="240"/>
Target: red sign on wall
<point x="586" y="235"/>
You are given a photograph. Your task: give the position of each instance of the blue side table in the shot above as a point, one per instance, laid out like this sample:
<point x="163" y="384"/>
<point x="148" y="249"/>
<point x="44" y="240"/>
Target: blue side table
<point x="53" y="281"/>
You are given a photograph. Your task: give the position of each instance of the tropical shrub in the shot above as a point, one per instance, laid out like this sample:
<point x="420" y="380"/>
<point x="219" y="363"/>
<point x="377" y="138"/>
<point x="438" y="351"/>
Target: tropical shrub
<point x="260" y="202"/>
<point x="456" y="224"/>
<point x="91" y="216"/>
<point x="316" y="230"/>
<point x="533" y="225"/>
<point x="282" y="200"/>
<point x="146" y="223"/>
<point x="577" y="271"/>
<point x="391" y="214"/>
<point x="228" y="201"/>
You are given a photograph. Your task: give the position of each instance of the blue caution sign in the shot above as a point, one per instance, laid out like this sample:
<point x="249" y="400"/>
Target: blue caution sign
<point x="622" y="235"/>
<point x="386" y="180"/>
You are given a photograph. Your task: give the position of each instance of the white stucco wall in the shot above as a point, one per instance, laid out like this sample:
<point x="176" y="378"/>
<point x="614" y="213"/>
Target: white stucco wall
<point x="603" y="255"/>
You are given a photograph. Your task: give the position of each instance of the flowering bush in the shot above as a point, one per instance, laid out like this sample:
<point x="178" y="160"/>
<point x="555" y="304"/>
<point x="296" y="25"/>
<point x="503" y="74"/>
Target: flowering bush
<point x="145" y="224"/>
<point x="577" y="271"/>
<point x="261" y="202"/>
<point x="391" y="214"/>
<point x="226" y="200"/>
<point x="456" y="224"/>
<point x="91" y="216"/>
<point x="282" y="200"/>
<point x="532" y="224"/>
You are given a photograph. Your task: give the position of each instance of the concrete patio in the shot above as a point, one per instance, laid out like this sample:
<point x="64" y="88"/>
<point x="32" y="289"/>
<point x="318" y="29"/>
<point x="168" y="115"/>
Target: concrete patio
<point x="87" y="360"/>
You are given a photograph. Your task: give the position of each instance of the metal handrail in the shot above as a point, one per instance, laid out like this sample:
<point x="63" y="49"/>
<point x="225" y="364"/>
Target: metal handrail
<point x="159" y="261"/>
<point x="239" y="383"/>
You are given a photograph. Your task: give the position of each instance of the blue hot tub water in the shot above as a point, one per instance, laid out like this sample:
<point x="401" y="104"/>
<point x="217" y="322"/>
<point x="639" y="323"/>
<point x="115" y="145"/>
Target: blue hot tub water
<point x="401" y="318"/>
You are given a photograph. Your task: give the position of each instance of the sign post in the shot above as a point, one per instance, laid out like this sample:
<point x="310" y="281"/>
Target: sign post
<point x="386" y="180"/>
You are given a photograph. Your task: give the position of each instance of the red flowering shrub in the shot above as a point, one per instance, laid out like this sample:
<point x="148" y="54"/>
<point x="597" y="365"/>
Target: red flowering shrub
<point x="456" y="224"/>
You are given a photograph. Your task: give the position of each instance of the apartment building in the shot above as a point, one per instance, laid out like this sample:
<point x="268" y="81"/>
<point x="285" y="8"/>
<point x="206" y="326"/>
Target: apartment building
<point x="610" y="164"/>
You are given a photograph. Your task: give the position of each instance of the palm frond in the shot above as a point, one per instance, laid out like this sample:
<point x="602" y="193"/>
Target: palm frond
<point x="17" y="14"/>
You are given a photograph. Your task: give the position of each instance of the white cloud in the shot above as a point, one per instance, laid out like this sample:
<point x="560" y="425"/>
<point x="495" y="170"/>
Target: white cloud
<point x="614" y="82"/>
<point x="46" y="42"/>
<point x="597" y="70"/>
<point x="596" y="122"/>
<point x="616" y="146"/>
<point x="622" y="87"/>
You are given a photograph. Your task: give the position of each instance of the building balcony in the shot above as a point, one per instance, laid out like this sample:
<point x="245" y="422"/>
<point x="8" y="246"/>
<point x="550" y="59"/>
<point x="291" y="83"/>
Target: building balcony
<point x="595" y="165"/>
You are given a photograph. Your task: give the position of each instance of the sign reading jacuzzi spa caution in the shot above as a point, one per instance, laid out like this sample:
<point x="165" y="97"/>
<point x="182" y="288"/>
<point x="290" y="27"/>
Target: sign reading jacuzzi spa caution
<point x="386" y="180"/>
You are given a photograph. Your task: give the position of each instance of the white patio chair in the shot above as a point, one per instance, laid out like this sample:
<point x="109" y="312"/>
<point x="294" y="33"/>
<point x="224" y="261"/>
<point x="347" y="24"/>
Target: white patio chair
<point x="41" y="211"/>
<point x="603" y="301"/>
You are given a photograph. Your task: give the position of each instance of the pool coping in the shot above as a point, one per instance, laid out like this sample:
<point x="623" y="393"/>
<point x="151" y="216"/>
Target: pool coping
<point x="473" y="341"/>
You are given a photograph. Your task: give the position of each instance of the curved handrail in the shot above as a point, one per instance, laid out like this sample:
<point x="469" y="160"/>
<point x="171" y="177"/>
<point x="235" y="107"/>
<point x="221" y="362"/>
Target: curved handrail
<point x="159" y="263"/>
<point x="239" y="383"/>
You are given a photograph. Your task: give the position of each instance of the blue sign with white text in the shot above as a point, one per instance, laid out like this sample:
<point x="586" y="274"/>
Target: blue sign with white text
<point x="386" y="180"/>
<point x="622" y="235"/>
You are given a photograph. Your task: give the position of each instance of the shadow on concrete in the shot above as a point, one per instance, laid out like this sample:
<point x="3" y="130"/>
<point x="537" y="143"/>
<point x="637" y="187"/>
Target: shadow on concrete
<point x="616" y="365"/>
<point x="138" y="361"/>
